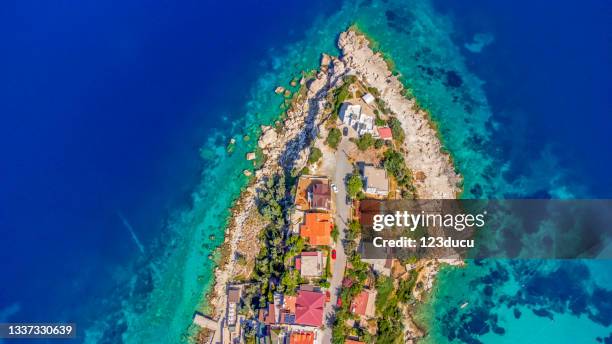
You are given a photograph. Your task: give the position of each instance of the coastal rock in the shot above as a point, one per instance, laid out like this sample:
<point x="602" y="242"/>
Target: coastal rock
<point x="316" y="84"/>
<point x="247" y="173"/>
<point x="325" y="59"/>
<point x="251" y="156"/>
<point x="268" y="137"/>
<point x="279" y="90"/>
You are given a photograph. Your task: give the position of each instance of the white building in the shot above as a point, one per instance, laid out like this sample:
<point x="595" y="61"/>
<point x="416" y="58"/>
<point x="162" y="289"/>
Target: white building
<point x="352" y="116"/>
<point x="368" y="98"/>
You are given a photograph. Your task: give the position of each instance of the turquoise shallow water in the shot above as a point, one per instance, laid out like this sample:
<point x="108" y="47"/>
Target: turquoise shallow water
<point x="422" y="43"/>
<point x="179" y="278"/>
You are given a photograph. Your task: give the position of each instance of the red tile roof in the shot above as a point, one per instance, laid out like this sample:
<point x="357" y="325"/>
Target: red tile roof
<point x="360" y="303"/>
<point x="309" y="308"/>
<point x="385" y="133"/>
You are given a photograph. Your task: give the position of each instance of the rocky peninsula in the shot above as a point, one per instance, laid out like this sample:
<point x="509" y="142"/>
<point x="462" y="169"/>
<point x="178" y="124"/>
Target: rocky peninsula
<point x="286" y="147"/>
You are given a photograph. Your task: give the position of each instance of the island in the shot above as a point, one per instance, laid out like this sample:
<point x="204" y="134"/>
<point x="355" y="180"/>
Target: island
<point x="290" y="270"/>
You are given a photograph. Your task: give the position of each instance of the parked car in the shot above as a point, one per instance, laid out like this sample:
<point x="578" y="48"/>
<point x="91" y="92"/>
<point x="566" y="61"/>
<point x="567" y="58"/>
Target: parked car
<point x="334" y="187"/>
<point x="339" y="301"/>
<point x="345" y="131"/>
<point x="327" y="296"/>
<point x="334" y="254"/>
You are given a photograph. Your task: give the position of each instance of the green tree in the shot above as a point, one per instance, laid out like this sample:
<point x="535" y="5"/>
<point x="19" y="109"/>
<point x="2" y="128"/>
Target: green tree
<point x="365" y="141"/>
<point x="354" y="229"/>
<point x="333" y="138"/>
<point x="354" y="185"/>
<point x="379" y="143"/>
<point x="290" y="281"/>
<point x="394" y="163"/>
<point x="396" y="129"/>
<point x="295" y="245"/>
<point x="315" y="155"/>
<point x="335" y="233"/>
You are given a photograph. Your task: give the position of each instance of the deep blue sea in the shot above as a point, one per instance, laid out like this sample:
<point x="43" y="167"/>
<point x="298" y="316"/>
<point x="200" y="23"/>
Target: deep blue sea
<point x="103" y="109"/>
<point x="114" y="118"/>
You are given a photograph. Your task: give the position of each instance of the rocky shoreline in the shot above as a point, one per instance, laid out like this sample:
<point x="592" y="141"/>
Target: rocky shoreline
<point x="286" y="148"/>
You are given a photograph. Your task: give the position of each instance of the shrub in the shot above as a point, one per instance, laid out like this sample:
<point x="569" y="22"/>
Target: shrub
<point x="335" y="233"/>
<point x="364" y="142"/>
<point x="333" y="138"/>
<point x="354" y="229"/>
<point x="354" y="185"/>
<point x="379" y="143"/>
<point x="404" y="291"/>
<point x="374" y="91"/>
<point x="323" y="283"/>
<point x="394" y="163"/>
<point x="396" y="129"/>
<point x="315" y="155"/>
<point x="290" y="281"/>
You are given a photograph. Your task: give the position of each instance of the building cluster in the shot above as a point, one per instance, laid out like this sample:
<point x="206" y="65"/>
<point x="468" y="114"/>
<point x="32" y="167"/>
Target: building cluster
<point x="356" y="116"/>
<point x="299" y="316"/>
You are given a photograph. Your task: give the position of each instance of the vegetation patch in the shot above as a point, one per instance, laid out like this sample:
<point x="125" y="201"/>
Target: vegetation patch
<point x="315" y="155"/>
<point x="364" y="142"/>
<point x="394" y="163"/>
<point x="354" y="185"/>
<point x="396" y="129"/>
<point x="333" y="138"/>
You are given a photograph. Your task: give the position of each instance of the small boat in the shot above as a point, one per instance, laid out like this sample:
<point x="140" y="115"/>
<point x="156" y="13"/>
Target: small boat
<point x="464" y="305"/>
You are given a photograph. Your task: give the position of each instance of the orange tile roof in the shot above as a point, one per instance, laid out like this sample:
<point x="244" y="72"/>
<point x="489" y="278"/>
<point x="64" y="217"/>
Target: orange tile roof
<point x="301" y="338"/>
<point x="317" y="228"/>
<point x="290" y="303"/>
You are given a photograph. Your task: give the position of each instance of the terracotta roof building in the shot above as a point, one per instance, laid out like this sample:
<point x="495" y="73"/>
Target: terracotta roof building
<point x="385" y="133"/>
<point x="304" y="192"/>
<point x="302" y="337"/>
<point x="364" y="303"/>
<point x="289" y="303"/>
<point x="309" y="308"/>
<point x="267" y="315"/>
<point x="317" y="228"/>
